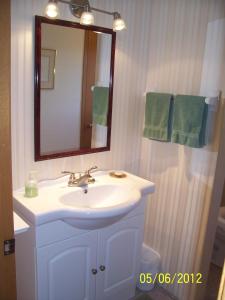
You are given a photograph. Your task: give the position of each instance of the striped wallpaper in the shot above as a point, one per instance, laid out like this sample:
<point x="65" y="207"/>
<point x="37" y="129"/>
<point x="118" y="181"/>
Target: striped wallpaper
<point x="186" y="55"/>
<point x="170" y="45"/>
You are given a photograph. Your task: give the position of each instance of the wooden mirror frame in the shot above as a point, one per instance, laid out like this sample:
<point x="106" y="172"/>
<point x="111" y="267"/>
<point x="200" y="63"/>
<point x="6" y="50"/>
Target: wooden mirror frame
<point x="37" y="90"/>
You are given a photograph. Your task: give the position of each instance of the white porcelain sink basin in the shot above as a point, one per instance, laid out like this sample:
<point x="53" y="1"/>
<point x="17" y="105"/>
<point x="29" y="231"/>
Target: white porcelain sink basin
<point x="99" y="197"/>
<point x="103" y="203"/>
<point x="100" y="205"/>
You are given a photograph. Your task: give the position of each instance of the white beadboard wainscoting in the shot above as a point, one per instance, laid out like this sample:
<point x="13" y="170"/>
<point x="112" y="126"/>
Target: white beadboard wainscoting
<point x="186" y="55"/>
<point x="175" y="46"/>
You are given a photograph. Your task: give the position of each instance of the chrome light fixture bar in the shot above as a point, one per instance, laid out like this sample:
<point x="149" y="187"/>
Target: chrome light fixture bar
<point x="82" y="10"/>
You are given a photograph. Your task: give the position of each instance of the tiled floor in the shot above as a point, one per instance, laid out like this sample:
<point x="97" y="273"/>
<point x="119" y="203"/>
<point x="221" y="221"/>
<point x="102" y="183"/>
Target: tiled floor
<point x="143" y="297"/>
<point x="213" y="283"/>
<point x="157" y="293"/>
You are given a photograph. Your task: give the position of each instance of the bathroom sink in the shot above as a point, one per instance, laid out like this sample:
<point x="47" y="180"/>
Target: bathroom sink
<point x="100" y="204"/>
<point x="99" y="197"/>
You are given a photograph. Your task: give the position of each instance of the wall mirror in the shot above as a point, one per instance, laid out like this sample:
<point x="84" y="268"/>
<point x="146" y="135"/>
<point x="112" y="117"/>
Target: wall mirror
<point x="74" y="67"/>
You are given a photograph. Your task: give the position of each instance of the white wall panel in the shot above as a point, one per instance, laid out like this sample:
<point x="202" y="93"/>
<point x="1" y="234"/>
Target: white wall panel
<point x="186" y="55"/>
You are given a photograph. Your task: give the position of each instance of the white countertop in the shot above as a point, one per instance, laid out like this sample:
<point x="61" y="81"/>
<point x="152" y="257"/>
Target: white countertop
<point x="122" y="195"/>
<point x="19" y="224"/>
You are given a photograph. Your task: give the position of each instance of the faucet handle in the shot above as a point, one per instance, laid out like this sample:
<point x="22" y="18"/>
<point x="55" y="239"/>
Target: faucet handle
<point x="91" y="169"/>
<point x="72" y="176"/>
<point x="68" y="172"/>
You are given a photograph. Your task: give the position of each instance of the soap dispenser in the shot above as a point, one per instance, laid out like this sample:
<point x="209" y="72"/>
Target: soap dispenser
<point x="31" y="186"/>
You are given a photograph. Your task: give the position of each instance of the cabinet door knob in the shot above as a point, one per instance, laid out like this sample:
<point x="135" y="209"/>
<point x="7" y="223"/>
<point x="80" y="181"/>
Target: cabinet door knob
<point x="94" y="271"/>
<point x="102" y="268"/>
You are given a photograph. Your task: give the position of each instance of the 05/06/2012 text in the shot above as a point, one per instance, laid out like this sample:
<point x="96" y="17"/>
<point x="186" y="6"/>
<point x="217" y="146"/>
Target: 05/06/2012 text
<point x="167" y="278"/>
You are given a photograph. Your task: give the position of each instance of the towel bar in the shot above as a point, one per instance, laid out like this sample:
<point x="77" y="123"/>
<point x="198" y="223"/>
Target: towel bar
<point x="212" y="101"/>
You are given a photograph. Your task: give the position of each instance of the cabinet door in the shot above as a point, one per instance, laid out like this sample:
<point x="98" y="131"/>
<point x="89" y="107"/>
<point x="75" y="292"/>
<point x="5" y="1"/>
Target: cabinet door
<point x="119" y="259"/>
<point x="64" y="269"/>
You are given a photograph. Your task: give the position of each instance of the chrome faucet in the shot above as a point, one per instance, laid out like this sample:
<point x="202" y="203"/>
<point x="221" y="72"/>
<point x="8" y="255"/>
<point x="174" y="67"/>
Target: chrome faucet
<point x="82" y="180"/>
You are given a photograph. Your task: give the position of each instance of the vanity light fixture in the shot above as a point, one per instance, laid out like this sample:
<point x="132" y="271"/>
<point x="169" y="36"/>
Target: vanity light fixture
<point x="118" y="23"/>
<point x="82" y="10"/>
<point x="87" y="17"/>
<point x="51" y="10"/>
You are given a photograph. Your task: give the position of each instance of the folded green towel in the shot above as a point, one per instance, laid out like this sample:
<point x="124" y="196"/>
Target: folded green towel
<point x="100" y="105"/>
<point x="158" y="111"/>
<point x="189" y="121"/>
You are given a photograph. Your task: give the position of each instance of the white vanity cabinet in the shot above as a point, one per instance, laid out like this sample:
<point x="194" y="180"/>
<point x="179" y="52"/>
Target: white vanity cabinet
<point x="101" y="264"/>
<point x="64" y="269"/>
<point x="81" y="246"/>
<point x="118" y="254"/>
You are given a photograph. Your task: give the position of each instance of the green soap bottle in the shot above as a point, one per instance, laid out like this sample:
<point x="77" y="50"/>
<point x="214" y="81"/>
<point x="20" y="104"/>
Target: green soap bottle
<point x="31" y="186"/>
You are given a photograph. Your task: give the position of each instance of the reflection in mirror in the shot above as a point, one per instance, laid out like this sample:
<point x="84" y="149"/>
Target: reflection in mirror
<point x="75" y="89"/>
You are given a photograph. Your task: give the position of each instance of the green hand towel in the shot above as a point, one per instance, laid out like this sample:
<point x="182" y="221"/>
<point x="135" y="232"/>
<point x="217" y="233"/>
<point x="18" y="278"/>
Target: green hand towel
<point x="100" y="105"/>
<point x="189" y="122"/>
<point x="158" y="111"/>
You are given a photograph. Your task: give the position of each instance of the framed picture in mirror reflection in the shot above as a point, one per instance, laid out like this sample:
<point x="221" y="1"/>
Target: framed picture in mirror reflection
<point x="48" y="57"/>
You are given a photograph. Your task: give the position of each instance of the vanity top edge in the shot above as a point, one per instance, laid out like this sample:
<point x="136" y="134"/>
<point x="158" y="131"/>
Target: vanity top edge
<point x="52" y="181"/>
<point x="108" y="197"/>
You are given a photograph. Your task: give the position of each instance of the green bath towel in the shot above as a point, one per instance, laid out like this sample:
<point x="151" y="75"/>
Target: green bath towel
<point x="189" y="121"/>
<point x="158" y="111"/>
<point x="100" y="105"/>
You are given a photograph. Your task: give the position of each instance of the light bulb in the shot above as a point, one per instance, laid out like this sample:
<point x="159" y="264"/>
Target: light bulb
<point x="118" y="23"/>
<point x="51" y="10"/>
<point x="87" y="18"/>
